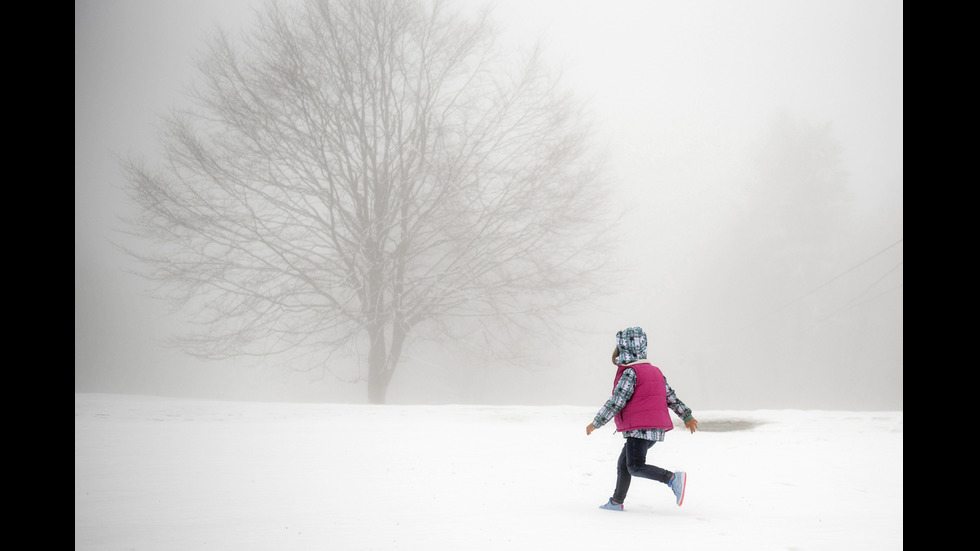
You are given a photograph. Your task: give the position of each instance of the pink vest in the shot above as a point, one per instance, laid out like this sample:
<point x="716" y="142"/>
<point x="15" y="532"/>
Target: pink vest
<point x="647" y="409"/>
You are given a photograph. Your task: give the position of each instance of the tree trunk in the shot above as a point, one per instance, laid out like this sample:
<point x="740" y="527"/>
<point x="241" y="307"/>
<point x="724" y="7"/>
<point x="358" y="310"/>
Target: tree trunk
<point x="382" y="361"/>
<point x="379" y="372"/>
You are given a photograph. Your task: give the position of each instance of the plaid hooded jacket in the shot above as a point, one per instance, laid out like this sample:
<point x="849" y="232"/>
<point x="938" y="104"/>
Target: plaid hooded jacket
<point x="632" y="343"/>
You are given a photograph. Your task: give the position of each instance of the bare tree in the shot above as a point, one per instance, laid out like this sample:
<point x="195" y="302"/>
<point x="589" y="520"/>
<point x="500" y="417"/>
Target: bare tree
<point x="354" y="169"/>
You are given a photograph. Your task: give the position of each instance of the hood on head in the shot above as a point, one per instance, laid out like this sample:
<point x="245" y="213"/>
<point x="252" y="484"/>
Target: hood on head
<point x="632" y="345"/>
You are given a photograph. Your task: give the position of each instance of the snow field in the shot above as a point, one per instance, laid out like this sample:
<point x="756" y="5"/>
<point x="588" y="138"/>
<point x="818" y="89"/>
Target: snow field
<point x="175" y="474"/>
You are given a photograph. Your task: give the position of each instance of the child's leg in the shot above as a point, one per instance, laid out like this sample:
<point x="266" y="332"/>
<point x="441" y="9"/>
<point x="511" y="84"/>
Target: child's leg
<point x="636" y="461"/>
<point x="623" y="476"/>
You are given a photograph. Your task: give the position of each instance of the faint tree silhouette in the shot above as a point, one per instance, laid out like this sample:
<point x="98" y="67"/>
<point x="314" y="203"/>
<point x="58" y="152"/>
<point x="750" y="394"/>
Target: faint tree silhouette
<point x="789" y="233"/>
<point x="353" y="169"/>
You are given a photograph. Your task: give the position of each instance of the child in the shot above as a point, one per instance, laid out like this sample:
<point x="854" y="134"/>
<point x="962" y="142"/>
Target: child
<point x="639" y="403"/>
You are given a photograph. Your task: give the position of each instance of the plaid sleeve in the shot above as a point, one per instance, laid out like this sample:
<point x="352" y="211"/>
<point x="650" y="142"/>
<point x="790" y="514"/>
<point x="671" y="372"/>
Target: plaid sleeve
<point x="677" y="406"/>
<point x="621" y="394"/>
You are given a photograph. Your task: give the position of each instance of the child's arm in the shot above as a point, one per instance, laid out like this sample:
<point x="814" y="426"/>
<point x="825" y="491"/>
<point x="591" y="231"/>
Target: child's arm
<point x="681" y="410"/>
<point x="621" y="394"/>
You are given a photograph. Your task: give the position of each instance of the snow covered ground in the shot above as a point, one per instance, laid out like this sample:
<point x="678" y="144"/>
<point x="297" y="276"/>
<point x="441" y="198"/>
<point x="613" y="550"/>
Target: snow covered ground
<point x="171" y="474"/>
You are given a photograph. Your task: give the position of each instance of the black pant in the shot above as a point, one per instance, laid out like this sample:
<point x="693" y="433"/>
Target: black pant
<point x="633" y="462"/>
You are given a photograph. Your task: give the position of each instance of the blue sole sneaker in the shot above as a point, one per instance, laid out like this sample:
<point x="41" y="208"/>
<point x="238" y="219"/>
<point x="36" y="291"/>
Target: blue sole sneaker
<point x="612" y="506"/>
<point x="678" y="484"/>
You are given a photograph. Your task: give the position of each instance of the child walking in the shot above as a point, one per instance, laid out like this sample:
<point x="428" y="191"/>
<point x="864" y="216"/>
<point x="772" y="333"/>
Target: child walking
<point x="639" y="404"/>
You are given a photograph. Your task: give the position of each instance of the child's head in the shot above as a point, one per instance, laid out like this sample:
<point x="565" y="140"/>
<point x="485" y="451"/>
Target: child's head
<point x="631" y="345"/>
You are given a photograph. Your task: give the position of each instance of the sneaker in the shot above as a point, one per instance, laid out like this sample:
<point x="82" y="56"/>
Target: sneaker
<point x="612" y="506"/>
<point x="678" y="483"/>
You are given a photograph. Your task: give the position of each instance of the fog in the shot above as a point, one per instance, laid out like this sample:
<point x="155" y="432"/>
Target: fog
<point x="755" y="292"/>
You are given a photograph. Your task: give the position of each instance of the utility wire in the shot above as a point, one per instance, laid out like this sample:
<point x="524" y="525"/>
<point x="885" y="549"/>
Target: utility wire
<point x="828" y="282"/>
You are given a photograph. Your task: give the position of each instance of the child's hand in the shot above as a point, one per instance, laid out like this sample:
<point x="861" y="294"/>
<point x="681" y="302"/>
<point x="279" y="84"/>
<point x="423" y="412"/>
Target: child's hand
<point x="692" y="424"/>
<point x="589" y="429"/>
